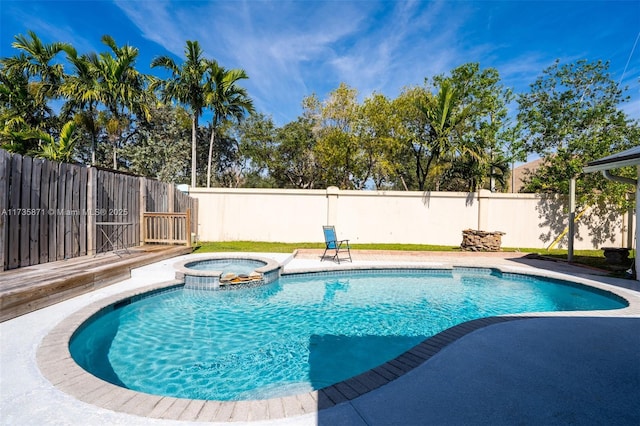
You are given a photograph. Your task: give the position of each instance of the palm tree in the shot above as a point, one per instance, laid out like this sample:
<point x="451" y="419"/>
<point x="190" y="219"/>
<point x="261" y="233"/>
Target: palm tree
<point x="226" y="99"/>
<point x="18" y="109"/>
<point x="121" y="88"/>
<point x="187" y="86"/>
<point x="62" y="150"/>
<point x="35" y="60"/>
<point x="29" y="81"/>
<point x="445" y="120"/>
<point x="83" y="94"/>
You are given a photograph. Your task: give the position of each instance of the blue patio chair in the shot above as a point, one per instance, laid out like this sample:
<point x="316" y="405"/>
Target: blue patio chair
<point x="332" y="243"/>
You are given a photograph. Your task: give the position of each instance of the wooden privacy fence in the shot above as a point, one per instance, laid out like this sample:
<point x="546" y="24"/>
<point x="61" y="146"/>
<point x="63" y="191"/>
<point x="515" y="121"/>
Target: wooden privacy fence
<point x="53" y="211"/>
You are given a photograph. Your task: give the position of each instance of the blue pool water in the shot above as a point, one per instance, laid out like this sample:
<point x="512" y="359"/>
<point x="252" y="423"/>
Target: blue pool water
<point x="299" y="333"/>
<point x="236" y="266"/>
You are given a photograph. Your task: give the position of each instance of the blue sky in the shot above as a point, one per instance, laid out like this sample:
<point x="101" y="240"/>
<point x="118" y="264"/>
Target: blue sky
<point x="291" y="49"/>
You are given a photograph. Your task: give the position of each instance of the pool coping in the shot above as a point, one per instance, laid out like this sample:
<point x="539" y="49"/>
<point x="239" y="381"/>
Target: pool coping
<point x="57" y="365"/>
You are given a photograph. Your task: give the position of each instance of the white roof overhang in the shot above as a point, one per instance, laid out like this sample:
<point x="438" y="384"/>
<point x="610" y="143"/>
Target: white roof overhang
<point x="630" y="157"/>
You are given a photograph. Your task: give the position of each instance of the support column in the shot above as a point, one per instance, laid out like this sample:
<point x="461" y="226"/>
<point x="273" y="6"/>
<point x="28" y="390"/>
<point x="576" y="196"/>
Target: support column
<point x="637" y="262"/>
<point x="483" y="209"/>
<point x="572" y="218"/>
<point x="332" y="205"/>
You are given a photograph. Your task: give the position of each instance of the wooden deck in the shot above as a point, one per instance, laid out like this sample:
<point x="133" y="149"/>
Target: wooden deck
<point x="34" y="287"/>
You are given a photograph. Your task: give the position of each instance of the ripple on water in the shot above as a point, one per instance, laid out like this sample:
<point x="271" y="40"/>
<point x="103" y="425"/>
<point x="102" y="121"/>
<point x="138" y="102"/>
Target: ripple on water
<point x="299" y="333"/>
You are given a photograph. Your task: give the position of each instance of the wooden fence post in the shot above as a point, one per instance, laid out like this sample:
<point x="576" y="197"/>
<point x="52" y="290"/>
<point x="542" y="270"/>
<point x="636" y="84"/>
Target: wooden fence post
<point x="45" y="177"/>
<point x="34" y="225"/>
<point x="92" y="207"/>
<point x="171" y="198"/>
<point x="188" y="228"/>
<point x="143" y="209"/>
<point x="25" y="203"/>
<point x="5" y="161"/>
<point x="14" y="220"/>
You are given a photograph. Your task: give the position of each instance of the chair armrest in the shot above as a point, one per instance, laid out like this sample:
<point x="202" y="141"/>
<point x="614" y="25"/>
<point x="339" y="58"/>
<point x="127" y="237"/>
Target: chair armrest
<point x="336" y="242"/>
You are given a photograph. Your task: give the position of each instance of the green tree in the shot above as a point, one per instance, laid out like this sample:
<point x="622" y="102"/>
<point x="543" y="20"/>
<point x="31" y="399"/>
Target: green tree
<point x="379" y="146"/>
<point x="60" y="150"/>
<point x="187" y="85"/>
<point x="28" y="81"/>
<point x="230" y="167"/>
<point x="410" y="128"/>
<point x="17" y="106"/>
<point x="295" y="163"/>
<point x="431" y="126"/>
<point x="572" y="115"/>
<point x="282" y="157"/>
<point x="226" y="99"/>
<point x="480" y="157"/>
<point x="334" y="127"/>
<point x="83" y="94"/>
<point x="161" y="146"/>
<point x="257" y="142"/>
<point x="122" y="89"/>
<point x="447" y="121"/>
<point x="36" y="60"/>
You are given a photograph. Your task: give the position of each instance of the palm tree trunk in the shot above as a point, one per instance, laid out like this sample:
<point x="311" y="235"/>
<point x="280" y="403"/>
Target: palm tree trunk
<point x="213" y="137"/>
<point x="404" y="184"/>
<point x="194" y="138"/>
<point x="115" y="153"/>
<point x="93" y="149"/>
<point x="94" y="136"/>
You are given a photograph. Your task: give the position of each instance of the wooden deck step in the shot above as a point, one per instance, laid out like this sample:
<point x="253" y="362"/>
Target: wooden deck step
<point x="30" y="288"/>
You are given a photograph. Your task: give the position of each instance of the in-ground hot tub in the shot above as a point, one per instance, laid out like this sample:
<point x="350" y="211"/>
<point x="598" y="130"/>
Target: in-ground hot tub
<point x="227" y="271"/>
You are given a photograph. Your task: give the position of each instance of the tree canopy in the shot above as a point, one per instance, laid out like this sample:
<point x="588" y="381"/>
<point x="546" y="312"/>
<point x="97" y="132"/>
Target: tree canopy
<point x="459" y="131"/>
<point x="571" y="116"/>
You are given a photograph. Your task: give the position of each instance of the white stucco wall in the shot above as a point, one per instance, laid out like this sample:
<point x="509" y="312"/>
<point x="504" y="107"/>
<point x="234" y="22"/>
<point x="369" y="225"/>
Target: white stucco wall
<point x="384" y="216"/>
<point x="260" y="214"/>
<point x="407" y="217"/>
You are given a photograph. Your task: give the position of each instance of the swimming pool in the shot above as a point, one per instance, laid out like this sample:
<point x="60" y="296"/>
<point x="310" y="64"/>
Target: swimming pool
<point x="301" y="332"/>
<point x="227" y="265"/>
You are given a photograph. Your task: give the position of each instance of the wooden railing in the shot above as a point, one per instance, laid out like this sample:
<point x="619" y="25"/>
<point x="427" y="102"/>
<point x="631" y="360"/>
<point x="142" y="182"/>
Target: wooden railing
<point x="167" y="228"/>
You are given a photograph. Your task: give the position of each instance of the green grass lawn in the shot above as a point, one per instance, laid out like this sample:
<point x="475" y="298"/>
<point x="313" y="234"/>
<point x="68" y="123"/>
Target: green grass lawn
<point x="592" y="258"/>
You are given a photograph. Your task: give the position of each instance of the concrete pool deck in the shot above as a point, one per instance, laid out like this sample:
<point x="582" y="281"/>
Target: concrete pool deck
<point x="580" y="368"/>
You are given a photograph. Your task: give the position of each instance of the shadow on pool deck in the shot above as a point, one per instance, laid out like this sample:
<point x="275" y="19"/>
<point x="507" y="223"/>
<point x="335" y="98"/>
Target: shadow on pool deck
<point x="551" y="371"/>
<point x="530" y="371"/>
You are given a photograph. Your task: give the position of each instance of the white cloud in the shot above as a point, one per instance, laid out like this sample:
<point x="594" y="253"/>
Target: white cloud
<point x="632" y="109"/>
<point x="46" y="29"/>
<point x="291" y="49"/>
<point x="283" y="46"/>
<point x="157" y="23"/>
